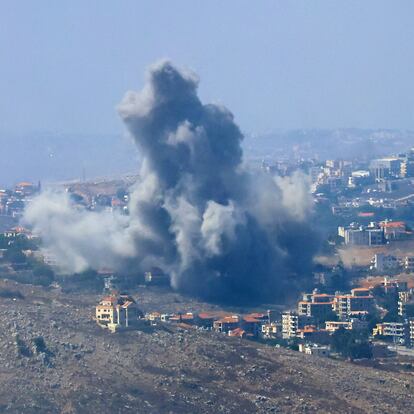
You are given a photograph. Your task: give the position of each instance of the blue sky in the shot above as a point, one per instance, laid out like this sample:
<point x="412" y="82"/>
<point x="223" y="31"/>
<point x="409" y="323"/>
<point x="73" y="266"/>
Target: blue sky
<point x="276" y="64"/>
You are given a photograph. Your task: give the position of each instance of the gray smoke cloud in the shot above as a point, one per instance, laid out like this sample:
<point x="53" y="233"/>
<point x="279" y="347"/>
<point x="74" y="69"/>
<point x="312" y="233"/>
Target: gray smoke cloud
<point x="222" y="232"/>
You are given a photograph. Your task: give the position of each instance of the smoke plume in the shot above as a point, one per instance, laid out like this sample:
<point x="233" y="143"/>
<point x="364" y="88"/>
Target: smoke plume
<point x="222" y="232"/>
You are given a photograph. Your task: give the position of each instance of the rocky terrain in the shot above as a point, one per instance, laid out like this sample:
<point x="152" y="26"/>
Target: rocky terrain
<point x="55" y="359"/>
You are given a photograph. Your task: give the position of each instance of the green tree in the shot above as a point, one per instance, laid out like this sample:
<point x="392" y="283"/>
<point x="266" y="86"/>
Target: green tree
<point x="351" y="344"/>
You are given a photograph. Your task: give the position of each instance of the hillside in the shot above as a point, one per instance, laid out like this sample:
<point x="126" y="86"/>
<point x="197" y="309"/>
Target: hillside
<point x="55" y="359"/>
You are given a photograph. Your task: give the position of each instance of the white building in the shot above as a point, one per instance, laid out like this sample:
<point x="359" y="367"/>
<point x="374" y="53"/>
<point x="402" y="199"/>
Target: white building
<point x="409" y="264"/>
<point x="384" y="263"/>
<point x="314" y="349"/>
<point x="362" y="236"/>
<point x="393" y="329"/>
<point x="291" y="322"/>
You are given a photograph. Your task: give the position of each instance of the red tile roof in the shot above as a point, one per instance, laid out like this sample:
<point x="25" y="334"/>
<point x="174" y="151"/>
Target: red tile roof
<point x="237" y="332"/>
<point x="24" y="184"/>
<point x="257" y="315"/>
<point x="393" y="224"/>
<point x="249" y="319"/>
<point x="366" y="214"/>
<point x="111" y="299"/>
<point x="229" y="319"/>
<point x="205" y="315"/>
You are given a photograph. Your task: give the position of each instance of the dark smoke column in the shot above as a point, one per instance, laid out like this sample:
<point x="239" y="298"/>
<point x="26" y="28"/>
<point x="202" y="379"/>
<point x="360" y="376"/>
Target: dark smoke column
<point x="223" y="233"/>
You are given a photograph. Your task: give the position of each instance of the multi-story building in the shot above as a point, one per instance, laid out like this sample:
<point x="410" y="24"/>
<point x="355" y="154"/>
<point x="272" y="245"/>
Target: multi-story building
<point x="316" y="310"/>
<point x="359" y="178"/>
<point x="411" y="331"/>
<point x="408" y="264"/>
<point x="405" y="304"/>
<point x="392" y="286"/>
<point x="352" y="324"/>
<point x="385" y="167"/>
<point x="311" y="334"/>
<point x="332" y="326"/>
<point x="382" y="262"/>
<point x="407" y="164"/>
<point x="292" y="321"/>
<point x="117" y="312"/>
<point x="316" y="305"/>
<point x="226" y="324"/>
<point x="407" y="168"/>
<point x="361" y="291"/>
<point x="357" y="235"/>
<point x="270" y="330"/>
<point x="353" y="304"/>
<point x="394" y="230"/>
<point x="394" y="329"/>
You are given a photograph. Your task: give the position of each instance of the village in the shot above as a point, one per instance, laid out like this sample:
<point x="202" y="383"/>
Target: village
<point x="367" y="322"/>
<point x="353" y="314"/>
<point x="365" y="311"/>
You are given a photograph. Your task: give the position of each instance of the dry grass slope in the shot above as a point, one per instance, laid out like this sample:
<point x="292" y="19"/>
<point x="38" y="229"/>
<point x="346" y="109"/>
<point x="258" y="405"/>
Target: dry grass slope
<point x="79" y="368"/>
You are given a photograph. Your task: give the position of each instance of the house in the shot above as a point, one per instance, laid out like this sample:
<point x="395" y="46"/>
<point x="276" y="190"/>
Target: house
<point x="238" y="333"/>
<point x="205" y="320"/>
<point x="117" y="311"/>
<point x="262" y="317"/>
<point x="226" y="324"/>
<point x="311" y="334"/>
<point x="187" y="318"/>
<point x="251" y="325"/>
<point x="314" y="349"/>
<point x="165" y="317"/>
<point x="351" y="324"/>
<point x="153" y="317"/>
<point x="333" y="326"/>
<point x="394" y="230"/>
<point x="270" y="330"/>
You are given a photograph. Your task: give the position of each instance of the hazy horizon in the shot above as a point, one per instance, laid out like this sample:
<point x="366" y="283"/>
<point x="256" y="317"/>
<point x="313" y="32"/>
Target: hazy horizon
<point x="59" y="157"/>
